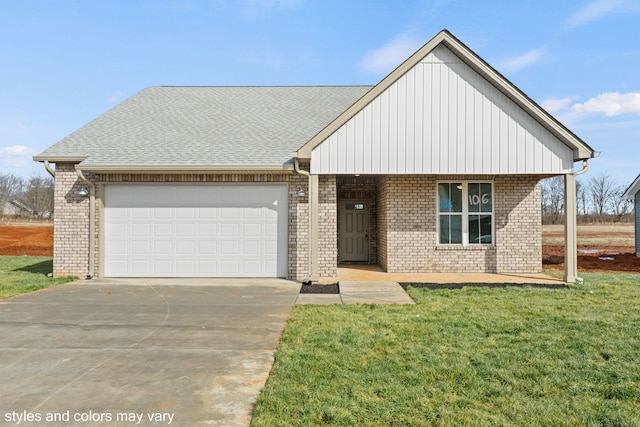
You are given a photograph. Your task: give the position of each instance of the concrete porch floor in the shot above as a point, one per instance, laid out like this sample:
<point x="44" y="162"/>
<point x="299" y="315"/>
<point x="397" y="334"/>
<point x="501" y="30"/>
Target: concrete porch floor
<point x="373" y="273"/>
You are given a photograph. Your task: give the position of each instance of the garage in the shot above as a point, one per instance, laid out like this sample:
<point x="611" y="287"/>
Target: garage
<point x="195" y="230"/>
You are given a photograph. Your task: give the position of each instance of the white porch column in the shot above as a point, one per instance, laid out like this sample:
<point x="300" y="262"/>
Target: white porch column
<point x="570" y="237"/>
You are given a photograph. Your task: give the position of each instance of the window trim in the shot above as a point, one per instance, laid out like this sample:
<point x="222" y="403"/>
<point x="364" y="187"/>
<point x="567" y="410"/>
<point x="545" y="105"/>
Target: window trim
<point x="465" y="213"/>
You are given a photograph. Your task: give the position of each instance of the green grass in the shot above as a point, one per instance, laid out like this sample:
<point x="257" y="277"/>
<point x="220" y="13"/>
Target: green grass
<point x="475" y="356"/>
<point x="22" y="274"/>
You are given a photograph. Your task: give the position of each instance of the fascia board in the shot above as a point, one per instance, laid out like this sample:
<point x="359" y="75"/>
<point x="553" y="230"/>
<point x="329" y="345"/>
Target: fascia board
<point x="237" y="169"/>
<point x="59" y="159"/>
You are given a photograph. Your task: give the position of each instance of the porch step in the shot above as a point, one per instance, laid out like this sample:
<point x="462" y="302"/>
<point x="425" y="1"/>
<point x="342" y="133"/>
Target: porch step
<point x="361" y="292"/>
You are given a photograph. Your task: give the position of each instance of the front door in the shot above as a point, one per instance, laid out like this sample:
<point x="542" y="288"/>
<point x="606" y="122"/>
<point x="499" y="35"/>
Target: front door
<point x="354" y="231"/>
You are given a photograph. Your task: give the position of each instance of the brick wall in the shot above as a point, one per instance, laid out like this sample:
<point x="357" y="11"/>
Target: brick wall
<point x="408" y="233"/>
<point x="383" y="187"/>
<point x="518" y="224"/>
<point x="70" y="224"/>
<point x="298" y="228"/>
<point x="327" y="227"/>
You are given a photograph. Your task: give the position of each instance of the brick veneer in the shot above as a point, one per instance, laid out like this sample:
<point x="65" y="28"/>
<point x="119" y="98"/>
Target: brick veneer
<point x="328" y="227"/>
<point x="71" y="222"/>
<point x="405" y="218"/>
<point x="407" y="234"/>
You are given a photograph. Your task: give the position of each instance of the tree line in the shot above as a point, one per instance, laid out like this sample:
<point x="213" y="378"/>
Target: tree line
<point x="30" y="198"/>
<point x="598" y="199"/>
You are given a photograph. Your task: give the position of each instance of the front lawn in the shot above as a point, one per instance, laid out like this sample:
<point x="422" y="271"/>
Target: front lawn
<point x="22" y="274"/>
<point x="475" y="356"/>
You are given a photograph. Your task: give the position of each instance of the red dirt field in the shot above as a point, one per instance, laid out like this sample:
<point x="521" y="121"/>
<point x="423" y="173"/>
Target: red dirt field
<point x="23" y="239"/>
<point x="613" y="259"/>
<point x="608" y="248"/>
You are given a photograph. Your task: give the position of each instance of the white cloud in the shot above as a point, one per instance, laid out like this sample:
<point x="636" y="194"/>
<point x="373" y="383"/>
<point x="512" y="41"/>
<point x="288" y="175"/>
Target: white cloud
<point x="553" y="105"/>
<point x="521" y="61"/>
<point x="597" y="9"/>
<point x="611" y="104"/>
<point x="17" y="156"/>
<point x="386" y="58"/>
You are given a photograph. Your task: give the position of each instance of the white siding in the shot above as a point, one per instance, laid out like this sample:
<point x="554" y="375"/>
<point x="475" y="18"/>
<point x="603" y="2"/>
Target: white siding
<point x="442" y="117"/>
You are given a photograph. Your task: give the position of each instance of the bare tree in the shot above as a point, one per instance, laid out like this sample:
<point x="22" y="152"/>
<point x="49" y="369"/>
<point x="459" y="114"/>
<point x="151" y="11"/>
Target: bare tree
<point x="620" y="206"/>
<point x="10" y="188"/>
<point x="553" y="199"/>
<point x="601" y="191"/>
<point x="582" y="191"/>
<point x="38" y="195"/>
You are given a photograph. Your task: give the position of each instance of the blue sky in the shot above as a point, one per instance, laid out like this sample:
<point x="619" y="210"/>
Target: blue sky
<point x="65" y="62"/>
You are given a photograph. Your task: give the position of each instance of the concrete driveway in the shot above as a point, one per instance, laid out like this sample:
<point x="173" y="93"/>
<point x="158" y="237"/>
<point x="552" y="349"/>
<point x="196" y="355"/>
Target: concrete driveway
<point x="140" y="352"/>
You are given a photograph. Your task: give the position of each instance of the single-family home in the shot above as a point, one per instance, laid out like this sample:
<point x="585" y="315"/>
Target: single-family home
<point x="436" y="168"/>
<point x="632" y="193"/>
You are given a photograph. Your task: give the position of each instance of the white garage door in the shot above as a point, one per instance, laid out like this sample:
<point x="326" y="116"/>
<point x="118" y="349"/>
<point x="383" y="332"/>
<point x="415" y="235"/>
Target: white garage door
<point x="207" y="230"/>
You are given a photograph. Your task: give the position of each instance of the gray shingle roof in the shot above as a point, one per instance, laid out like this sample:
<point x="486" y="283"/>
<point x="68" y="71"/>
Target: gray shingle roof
<point x="218" y="126"/>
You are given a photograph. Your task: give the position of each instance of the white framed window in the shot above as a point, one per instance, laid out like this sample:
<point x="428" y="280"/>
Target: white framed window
<point x="465" y="213"/>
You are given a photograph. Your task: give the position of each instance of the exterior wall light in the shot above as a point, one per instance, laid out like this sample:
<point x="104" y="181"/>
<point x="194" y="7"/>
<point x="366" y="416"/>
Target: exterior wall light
<point x="83" y="192"/>
<point x="300" y="192"/>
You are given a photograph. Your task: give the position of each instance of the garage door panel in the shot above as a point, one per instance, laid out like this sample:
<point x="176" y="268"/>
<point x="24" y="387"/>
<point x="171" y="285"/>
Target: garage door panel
<point x="252" y="247"/>
<point x="230" y="267"/>
<point x="118" y="247"/>
<point x="230" y="230"/>
<point x="141" y="230"/>
<point x="173" y="230"/>
<point x="252" y="230"/>
<point x="207" y="248"/>
<point x="185" y="266"/>
<point x="141" y="267"/>
<point x="207" y="230"/>
<point x="185" y="248"/>
<point x="162" y="229"/>
<point x="141" y="247"/>
<point x="208" y="267"/>
<point x="185" y="229"/>
<point x="230" y="247"/>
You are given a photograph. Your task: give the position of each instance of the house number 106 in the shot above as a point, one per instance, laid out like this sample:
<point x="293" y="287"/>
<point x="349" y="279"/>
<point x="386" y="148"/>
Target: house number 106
<point x="474" y="199"/>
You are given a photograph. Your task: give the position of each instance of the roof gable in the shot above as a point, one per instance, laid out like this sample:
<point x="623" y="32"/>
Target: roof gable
<point x="632" y="190"/>
<point x="530" y="120"/>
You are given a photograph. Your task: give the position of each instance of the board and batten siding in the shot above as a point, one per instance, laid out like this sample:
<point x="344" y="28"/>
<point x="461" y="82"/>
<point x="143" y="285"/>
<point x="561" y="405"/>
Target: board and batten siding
<point x="442" y="117"/>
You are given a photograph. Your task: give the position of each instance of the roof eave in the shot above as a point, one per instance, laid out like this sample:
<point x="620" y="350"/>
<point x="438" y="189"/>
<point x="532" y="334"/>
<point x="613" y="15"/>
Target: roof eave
<point x="632" y="190"/>
<point x="58" y="159"/>
<point x="176" y="169"/>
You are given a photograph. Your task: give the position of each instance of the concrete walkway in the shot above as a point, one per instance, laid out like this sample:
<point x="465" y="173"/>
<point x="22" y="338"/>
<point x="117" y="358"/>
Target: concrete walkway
<point x="359" y="292"/>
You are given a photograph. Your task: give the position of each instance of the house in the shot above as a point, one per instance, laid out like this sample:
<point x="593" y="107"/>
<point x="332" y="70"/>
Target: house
<point x="15" y="207"/>
<point x="632" y="193"/>
<point x="434" y="169"/>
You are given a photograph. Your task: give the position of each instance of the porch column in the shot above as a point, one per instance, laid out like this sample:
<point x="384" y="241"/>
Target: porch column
<point x="314" y="219"/>
<point x="570" y="238"/>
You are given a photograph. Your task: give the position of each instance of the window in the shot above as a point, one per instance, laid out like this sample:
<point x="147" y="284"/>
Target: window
<point x="465" y="213"/>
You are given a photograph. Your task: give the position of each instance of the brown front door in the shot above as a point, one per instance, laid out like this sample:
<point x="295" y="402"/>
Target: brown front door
<point x="354" y="230"/>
